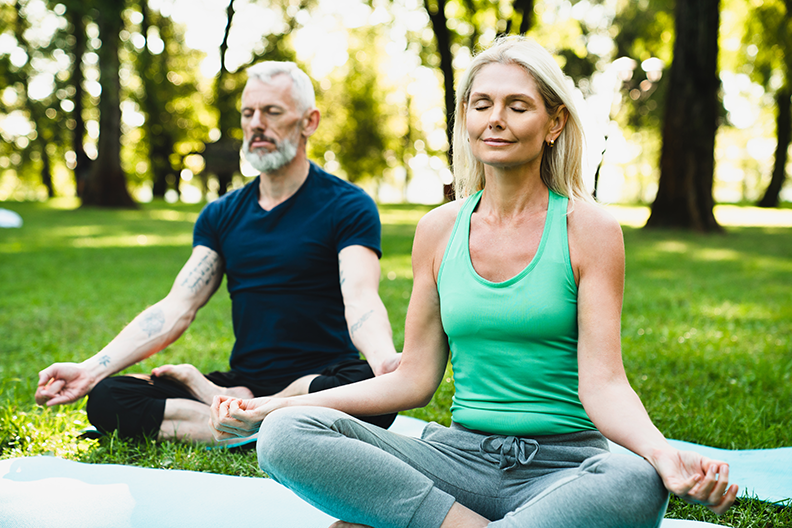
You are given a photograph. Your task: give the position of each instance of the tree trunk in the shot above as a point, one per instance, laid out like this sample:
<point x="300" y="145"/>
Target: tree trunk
<point x="82" y="164"/>
<point x="46" y="166"/>
<point x="153" y="72"/>
<point x="106" y="183"/>
<point x="35" y="109"/>
<point x="437" y="16"/>
<point x="225" y="103"/>
<point x="443" y="36"/>
<point x="783" y="130"/>
<point x="684" y="196"/>
<point x="526" y="8"/>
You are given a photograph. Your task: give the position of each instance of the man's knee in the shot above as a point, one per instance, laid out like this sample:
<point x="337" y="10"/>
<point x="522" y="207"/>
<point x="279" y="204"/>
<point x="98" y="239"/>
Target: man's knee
<point x="102" y="407"/>
<point x="119" y="404"/>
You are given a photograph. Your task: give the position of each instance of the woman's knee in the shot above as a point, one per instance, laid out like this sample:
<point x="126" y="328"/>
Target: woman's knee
<point x="643" y="492"/>
<point x="285" y="436"/>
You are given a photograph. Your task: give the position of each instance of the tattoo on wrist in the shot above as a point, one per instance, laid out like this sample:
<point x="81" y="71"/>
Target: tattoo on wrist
<point x="153" y="321"/>
<point x="104" y="360"/>
<point x="363" y="319"/>
<point x="202" y="274"/>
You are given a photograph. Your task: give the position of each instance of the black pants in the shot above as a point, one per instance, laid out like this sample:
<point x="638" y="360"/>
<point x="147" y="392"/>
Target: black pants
<point x="134" y="405"/>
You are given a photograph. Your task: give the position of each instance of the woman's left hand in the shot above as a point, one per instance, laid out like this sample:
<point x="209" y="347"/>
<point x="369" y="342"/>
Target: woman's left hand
<point x="696" y="479"/>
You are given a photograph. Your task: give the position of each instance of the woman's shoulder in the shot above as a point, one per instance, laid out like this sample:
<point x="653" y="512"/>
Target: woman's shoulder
<point x="594" y="233"/>
<point x="433" y="232"/>
<point x="439" y="220"/>
<point x="590" y="219"/>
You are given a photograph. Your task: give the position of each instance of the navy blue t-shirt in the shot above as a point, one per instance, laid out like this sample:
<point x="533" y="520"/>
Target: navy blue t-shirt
<point x="282" y="272"/>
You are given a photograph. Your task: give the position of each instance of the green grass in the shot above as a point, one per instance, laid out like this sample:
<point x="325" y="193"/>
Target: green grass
<point x="707" y="331"/>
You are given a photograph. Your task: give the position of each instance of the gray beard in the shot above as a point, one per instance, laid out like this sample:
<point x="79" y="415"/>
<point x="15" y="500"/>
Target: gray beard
<point x="284" y="153"/>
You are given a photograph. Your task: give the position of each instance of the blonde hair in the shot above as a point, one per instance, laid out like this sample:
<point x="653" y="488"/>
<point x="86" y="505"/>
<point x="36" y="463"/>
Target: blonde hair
<point x="562" y="164"/>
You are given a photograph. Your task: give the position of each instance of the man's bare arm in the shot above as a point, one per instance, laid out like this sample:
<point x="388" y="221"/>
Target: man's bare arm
<point x="152" y="330"/>
<point x="366" y="316"/>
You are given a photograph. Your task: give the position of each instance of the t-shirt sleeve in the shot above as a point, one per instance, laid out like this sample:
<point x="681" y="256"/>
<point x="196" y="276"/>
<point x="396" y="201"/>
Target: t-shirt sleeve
<point x="205" y="232"/>
<point x="358" y="223"/>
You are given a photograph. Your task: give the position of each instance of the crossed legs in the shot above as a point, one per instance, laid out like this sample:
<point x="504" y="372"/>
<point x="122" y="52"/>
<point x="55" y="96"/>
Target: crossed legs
<point x="186" y="419"/>
<point x="174" y="402"/>
<point x="452" y="478"/>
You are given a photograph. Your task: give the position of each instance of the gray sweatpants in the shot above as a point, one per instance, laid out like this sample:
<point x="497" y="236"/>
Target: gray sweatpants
<point x="361" y="473"/>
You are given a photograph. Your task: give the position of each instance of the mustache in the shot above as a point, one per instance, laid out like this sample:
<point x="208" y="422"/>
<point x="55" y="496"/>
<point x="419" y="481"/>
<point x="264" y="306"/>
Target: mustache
<point x="261" y="137"/>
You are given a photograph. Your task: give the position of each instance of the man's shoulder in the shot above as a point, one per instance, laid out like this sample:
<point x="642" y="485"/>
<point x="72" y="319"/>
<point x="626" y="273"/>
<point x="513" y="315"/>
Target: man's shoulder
<point x="345" y="201"/>
<point x="334" y="184"/>
<point x="230" y="200"/>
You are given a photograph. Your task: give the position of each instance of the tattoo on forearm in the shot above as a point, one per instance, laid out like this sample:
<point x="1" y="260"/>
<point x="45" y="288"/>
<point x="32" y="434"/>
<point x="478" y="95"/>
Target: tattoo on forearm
<point x="363" y="319"/>
<point x="104" y="360"/>
<point x="153" y="321"/>
<point x="202" y="274"/>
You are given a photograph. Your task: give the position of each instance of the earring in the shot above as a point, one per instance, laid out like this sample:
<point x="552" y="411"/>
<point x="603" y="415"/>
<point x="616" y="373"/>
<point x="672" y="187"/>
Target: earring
<point x="551" y="143"/>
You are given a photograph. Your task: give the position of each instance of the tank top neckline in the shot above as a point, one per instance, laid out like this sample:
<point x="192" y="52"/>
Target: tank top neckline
<point x="468" y="210"/>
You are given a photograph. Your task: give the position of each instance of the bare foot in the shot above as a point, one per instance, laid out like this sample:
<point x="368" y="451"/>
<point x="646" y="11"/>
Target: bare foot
<point x="197" y="384"/>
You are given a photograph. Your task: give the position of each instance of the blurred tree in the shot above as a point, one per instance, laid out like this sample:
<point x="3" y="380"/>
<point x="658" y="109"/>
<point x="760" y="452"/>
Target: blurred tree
<point x="436" y="9"/>
<point x="222" y="155"/>
<point x="684" y="197"/>
<point x="768" y="33"/>
<point x="644" y="38"/>
<point x="36" y="110"/>
<point x="167" y="97"/>
<point x="75" y="42"/>
<point x="29" y="95"/>
<point x="645" y="32"/>
<point x="355" y="113"/>
<point x="158" y="90"/>
<point x="106" y="184"/>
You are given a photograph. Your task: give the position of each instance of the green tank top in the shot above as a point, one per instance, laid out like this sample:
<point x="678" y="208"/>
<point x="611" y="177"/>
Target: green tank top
<point x="513" y="343"/>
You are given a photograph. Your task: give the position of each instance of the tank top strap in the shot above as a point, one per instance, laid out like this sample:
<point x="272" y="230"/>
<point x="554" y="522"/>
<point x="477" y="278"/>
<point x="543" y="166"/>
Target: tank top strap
<point x="557" y="237"/>
<point x="457" y="247"/>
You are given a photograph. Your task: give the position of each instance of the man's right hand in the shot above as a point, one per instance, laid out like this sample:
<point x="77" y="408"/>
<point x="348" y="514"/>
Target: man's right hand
<point x="62" y="383"/>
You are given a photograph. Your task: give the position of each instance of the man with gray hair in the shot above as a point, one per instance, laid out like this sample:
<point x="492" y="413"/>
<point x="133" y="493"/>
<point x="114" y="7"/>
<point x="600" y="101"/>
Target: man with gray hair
<point x="300" y="250"/>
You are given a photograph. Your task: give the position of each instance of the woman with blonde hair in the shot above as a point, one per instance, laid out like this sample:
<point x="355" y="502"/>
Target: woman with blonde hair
<point x="520" y="281"/>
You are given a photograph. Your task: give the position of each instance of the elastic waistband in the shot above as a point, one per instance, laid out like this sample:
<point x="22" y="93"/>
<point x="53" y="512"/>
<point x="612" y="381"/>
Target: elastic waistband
<point x="589" y="438"/>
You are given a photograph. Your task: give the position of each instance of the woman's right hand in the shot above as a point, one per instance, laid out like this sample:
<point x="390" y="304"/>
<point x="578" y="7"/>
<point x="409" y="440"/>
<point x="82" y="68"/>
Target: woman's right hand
<point x="695" y="479"/>
<point x="237" y="418"/>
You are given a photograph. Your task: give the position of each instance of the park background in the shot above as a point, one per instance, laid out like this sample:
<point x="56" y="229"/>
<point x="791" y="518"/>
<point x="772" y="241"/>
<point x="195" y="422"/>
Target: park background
<point x="119" y="120"/>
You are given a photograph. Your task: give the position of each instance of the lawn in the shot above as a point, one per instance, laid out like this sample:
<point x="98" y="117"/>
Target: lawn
<point x="707" y="328"/>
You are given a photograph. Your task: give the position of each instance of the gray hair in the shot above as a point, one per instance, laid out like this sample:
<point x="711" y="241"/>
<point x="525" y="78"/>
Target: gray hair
<point x="302" y="88"/>
<point x="561" y="168"/>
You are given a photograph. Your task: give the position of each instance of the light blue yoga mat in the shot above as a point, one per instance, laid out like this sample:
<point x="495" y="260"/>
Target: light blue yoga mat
<point x="43" y="492"/>
<point x="38" y="492"/>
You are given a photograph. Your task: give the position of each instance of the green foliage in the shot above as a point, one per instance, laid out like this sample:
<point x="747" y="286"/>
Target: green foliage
<point x="168" y="94"/>
<point x="645" y="30"/>
<point x="706" y="331"/>
<point x="353" y="127"/>
<point x="767" y="43"/>
<point x="23" y="75"/>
